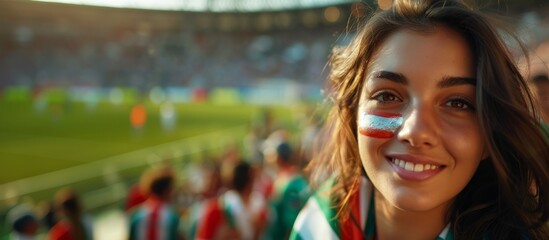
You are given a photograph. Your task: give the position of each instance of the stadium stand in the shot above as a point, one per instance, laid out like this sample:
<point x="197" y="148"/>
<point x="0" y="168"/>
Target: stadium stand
<point x="94" y="46"/>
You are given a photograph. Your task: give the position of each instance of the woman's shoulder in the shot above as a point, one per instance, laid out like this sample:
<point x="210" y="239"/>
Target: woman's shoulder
<point x="318" y="219"/>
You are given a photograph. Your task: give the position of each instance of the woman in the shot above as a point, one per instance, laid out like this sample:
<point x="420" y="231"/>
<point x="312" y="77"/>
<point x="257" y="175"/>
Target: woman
<point x="434" y="134"/>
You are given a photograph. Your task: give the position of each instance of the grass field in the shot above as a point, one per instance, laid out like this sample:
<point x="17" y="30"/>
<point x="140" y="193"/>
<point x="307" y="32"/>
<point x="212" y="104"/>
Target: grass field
<point x="43" y="149"/>
<point x="33" y="142"/>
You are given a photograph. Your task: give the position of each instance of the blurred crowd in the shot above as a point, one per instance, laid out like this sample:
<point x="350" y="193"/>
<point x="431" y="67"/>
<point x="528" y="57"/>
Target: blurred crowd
<point x="143" y="59"/>
<point x="62" y="218"/>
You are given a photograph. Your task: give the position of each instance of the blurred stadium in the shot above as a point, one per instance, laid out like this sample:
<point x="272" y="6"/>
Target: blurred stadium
<point x="92" y="95"/>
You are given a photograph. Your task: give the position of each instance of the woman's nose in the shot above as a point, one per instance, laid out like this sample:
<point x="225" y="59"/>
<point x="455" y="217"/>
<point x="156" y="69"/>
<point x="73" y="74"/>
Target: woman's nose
<point x="419" y="128"/>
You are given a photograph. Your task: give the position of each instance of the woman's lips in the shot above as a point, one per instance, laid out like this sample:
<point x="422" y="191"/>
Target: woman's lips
<point x="414" y="170"/>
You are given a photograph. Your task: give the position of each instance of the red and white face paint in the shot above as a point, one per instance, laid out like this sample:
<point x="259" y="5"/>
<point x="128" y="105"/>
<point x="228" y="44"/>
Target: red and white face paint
<point x="379" y="125"/>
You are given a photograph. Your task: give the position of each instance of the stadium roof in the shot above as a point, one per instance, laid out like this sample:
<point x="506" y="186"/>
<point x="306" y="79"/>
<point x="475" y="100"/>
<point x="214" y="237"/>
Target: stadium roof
<point x="208" y="5"/>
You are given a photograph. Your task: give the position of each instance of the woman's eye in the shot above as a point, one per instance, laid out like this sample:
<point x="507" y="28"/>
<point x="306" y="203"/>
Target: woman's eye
<point x="385" y="97"/>
<point x="460" y="104"/>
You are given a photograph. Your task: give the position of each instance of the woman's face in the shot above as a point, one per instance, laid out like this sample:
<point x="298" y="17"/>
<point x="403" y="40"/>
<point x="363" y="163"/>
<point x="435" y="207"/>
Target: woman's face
<point x="418" y="134"/>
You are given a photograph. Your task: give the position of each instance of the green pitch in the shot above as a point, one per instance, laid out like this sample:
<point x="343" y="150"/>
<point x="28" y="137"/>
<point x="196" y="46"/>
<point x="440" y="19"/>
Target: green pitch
<point x="36" y="139"/>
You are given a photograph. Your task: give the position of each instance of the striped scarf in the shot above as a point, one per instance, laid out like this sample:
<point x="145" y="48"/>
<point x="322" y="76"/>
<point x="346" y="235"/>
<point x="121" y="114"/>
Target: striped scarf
<point x="317" y="220"/>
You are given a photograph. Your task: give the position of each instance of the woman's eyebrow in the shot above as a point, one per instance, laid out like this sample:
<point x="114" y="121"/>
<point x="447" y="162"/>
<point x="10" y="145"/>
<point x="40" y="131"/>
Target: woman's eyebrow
<point x="446" y="81"/>
<point x="454" y="81"/>
<point x="391" y="76"/>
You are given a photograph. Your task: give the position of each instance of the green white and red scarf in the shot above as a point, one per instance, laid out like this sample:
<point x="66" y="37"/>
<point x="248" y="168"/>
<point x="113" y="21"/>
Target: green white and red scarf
<point x="317" y="220"/>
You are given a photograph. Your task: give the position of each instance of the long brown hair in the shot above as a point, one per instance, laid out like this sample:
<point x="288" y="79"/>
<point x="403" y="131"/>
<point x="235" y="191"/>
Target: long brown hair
<point x="507" y="196"/>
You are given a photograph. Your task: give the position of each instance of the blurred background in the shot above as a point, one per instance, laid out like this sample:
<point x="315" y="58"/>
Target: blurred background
<point x="94" y="92"/>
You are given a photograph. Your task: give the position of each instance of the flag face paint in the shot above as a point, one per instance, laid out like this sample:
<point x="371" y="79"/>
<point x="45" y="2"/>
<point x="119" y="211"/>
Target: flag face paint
<point x="379" y="125"/>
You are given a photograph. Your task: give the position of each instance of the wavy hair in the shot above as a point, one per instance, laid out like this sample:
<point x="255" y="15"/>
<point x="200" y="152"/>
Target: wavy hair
<point x="507" y="196"/>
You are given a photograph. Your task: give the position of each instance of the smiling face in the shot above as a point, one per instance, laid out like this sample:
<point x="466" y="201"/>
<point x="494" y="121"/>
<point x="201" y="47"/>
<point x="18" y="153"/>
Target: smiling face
<point x="425" y="83"/>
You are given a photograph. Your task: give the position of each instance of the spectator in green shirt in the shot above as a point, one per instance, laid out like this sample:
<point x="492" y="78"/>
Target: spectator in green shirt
<point x="290" y="190"/>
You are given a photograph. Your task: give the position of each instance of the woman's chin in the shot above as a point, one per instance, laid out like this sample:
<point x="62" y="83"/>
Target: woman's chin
<point x="416" y="203"/>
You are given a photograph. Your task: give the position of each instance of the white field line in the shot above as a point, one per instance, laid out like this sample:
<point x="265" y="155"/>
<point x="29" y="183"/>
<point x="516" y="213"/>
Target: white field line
<point x="116" y="163"/>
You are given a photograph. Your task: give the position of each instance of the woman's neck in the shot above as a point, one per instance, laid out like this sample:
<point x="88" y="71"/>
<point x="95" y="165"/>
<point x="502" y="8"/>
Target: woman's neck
<point x="394" y="223"/>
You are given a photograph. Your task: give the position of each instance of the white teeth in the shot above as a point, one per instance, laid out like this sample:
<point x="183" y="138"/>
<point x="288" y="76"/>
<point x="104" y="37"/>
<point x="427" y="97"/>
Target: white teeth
<point x="417" y="167"/>
<point x="409" y="166"/>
